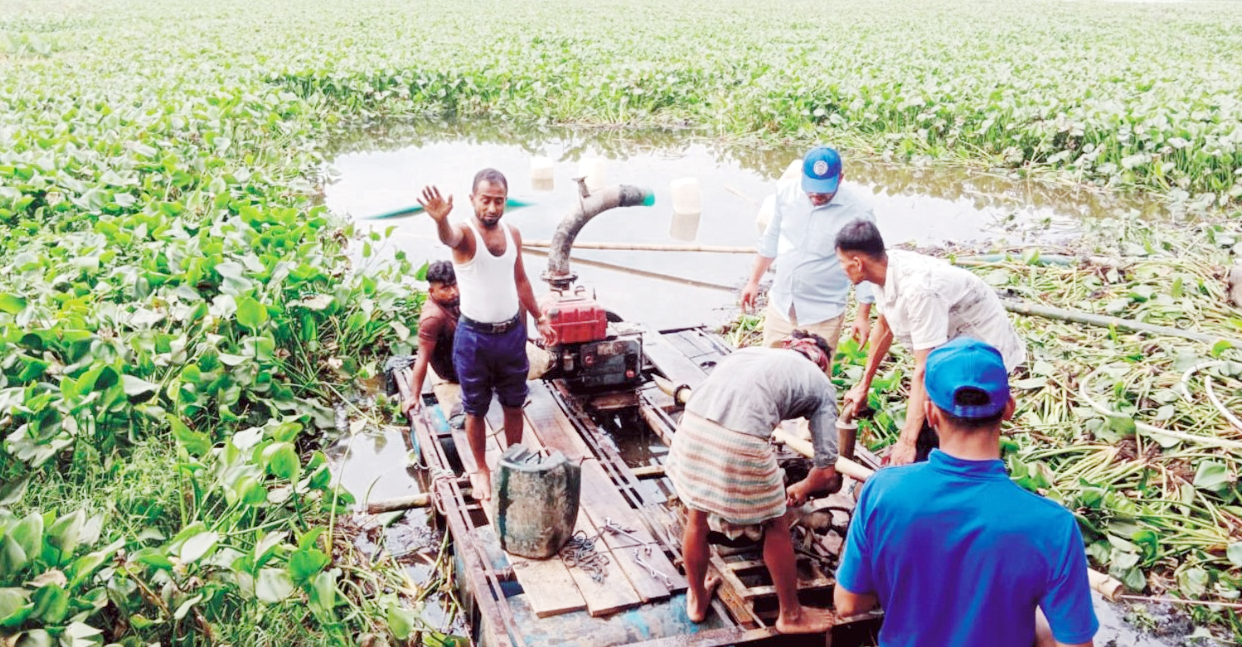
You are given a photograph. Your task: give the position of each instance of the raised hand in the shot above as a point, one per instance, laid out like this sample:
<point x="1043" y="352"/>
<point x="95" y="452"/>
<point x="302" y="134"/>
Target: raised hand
<point x="436" y="206"/>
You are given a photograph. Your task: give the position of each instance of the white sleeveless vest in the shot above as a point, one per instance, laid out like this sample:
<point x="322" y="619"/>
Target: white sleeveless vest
<point x="488" y="289"/>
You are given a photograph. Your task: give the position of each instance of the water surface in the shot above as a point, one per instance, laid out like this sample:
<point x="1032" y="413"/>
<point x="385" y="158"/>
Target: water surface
<point x="384" y="168"/>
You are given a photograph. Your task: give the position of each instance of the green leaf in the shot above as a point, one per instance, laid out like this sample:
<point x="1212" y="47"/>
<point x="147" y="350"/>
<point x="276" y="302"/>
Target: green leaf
<point x="322" y="595"/>
<point x="273" y="585"/>
<point x="12" y="303"/>
<point x="1134" y="579"/>
<point x="251" y="313"/>
<point x="66" y="532"/>
<point x="1123" y="425"/>
<point x="51" y="604"/>
<point x="250" y="490"/>
<point x="195" y="547"/>
<point x="1234" y="552"/>
<point x="1193" y="582"/>
<point x="137" y="386"/>
<point x="12" y="491"/>
<point x="265" y="546"/>
<point x="183" y="609"/>
<point x="87" y="564"/>
<point x="14" y="607"/>
<point x="282" y="460"/>
<point x="401" y="621"/>
<point x="28" y="534"/>
<point x="13" y="559"/>
<point x="1220" y="347"/>
<point x="1212" y="476"/>
<point x="306" y="562"/>
<point x="194" y="442"/>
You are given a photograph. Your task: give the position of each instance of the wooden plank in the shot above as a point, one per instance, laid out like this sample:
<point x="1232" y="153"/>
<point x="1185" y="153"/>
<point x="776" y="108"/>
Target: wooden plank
<point x="670" y="361"/>
<point x="448" y="395"/>
<point x="550" y="425"/>
<point x="548" y="586"/>
<point x="648" y="586"/>
<point x="604" y="502"/>
<point x="614" y="593"/>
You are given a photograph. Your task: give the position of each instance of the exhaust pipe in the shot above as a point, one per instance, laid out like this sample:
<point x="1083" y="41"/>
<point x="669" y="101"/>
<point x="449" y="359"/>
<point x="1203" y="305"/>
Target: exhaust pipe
<point x="558" y="274"/>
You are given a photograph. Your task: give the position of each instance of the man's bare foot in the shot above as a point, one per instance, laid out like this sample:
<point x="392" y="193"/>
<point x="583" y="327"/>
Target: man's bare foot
<point x="697" y="609"/>
<point x="808" y="621"/>
<point x="481" y="485"/>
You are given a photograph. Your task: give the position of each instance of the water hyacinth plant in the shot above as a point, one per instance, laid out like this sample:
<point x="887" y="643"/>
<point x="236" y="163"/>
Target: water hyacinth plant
<point x="178" y="319"/>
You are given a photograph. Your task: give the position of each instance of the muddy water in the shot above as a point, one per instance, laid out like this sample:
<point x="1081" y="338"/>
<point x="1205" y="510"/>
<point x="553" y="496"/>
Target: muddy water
<point x="918" y="205"/>
<point x="374" y="465"/>
<point x="381" y="169"/>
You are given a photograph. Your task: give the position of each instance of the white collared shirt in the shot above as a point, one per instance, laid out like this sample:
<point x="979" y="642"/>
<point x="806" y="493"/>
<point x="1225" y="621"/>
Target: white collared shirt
<point x="803" y="239"/>
<point x="928" y="302"/>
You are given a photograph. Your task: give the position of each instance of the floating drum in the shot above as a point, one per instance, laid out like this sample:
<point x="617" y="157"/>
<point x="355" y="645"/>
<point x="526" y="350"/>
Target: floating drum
<point x="765" y="214"/>
<point x="687" y="207"/>
<point x="541" y="173"/>
<point x="594" y="169"/>
<point x="536" y="500"/>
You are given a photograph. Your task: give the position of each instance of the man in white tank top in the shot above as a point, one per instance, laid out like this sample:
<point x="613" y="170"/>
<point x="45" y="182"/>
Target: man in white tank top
<point x="489" y="347"/>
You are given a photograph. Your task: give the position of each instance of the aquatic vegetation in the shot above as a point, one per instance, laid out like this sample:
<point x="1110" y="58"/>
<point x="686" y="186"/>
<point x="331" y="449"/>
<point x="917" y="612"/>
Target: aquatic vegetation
<point x="177" y="317"/>
<point x="1160" y="511"/>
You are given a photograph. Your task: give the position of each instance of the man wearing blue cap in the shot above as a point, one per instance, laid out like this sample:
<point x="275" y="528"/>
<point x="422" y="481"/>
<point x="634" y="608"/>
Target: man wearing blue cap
<point x="952" y="549"/>
<point x="810" y="290"/>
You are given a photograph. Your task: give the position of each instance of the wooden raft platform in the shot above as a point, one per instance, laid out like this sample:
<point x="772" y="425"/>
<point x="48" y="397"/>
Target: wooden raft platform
<point x="519" y="601"/>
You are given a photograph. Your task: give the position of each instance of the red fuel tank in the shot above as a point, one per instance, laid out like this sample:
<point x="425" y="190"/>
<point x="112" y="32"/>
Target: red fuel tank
<point x="577" y="317"/>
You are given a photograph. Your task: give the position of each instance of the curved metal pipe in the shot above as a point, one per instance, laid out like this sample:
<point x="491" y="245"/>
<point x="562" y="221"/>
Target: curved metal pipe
<point x="558" y="273"/>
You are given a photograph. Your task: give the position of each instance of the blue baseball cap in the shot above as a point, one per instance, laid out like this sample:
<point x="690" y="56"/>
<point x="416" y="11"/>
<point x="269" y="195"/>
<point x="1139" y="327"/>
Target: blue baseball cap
<point x="821" y="170"/>
<point x="966" y="363"/>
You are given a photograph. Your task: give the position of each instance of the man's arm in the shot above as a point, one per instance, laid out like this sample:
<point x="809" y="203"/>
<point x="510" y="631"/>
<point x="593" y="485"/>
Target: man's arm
<point x="415" y="401"/>
<point x="855" y="590"/>
<point x="439" y="209"/>
<point x="879" y="343"/>
<point x="526" y="293"/>
<point x="1067" y="602"/>
<point x="767" y="247"/>
<point x="905" y="448"/>
<point x="751" y="291"/>
<point x="823" y="475"/>
<point x="846" y="603"/>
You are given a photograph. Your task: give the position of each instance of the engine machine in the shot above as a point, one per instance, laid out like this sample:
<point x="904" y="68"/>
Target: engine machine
<point x="591" y="354"/>
<point x="594" y="352"/>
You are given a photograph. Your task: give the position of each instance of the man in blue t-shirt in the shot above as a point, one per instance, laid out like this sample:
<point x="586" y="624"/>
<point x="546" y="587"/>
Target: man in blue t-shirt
<point x="955" y="552"/>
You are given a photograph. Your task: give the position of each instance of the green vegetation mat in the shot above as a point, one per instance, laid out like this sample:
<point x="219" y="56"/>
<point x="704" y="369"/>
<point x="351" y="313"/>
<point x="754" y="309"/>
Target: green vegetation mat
<point x="178" y="321"/>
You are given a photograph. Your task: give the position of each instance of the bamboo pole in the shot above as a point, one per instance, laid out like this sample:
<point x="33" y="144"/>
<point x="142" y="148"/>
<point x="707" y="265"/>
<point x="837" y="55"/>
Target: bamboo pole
<point x="643" y="273"/>
<point x="648" y="472"/>
<point x="1076" y="316"/>
<point x="646" y="247"/>
<point x="416" y="500"/>
<point x="802" y="446"/>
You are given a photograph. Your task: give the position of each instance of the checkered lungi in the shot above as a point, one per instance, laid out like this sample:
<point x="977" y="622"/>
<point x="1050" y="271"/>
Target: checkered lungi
<point x="725" y="473"/>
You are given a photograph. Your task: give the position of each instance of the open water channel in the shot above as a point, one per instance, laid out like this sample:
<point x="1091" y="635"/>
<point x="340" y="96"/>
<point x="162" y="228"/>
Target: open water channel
<point x="381" y="169"/>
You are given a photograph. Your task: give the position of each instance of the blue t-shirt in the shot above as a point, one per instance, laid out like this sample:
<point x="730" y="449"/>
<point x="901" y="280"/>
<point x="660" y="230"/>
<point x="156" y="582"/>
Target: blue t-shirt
<point x="960" y="555"/>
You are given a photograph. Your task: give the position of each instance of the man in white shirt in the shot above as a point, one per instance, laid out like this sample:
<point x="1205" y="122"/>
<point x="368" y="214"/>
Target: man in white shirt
<point x="809" y="291"/>
<point x="924" y="302"/>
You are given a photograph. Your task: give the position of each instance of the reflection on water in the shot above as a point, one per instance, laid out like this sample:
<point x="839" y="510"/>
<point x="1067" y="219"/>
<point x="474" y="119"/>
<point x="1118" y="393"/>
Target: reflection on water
<point x="382" y="168"/>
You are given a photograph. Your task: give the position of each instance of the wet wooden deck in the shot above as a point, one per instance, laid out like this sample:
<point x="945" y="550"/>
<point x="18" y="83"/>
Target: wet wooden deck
<point x="519" y="601"/>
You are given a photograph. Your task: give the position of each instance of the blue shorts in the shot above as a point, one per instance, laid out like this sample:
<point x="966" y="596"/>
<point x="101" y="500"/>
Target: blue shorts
<point x="487" y="362"/>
